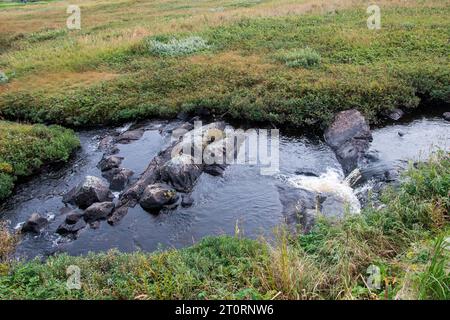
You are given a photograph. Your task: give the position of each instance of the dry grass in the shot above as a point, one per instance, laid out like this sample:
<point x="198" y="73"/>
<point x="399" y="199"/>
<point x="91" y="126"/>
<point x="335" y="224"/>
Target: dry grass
<point x="8" y="242"/>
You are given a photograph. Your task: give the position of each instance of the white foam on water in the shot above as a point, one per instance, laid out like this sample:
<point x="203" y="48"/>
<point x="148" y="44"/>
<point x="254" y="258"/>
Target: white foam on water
<point x="125" y="128"/>
<point x="332" y="181"/>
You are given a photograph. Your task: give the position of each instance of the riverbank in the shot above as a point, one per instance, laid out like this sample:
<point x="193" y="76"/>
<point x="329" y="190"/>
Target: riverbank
<point x="405" y="238"/>
<point x="24" y="149"/>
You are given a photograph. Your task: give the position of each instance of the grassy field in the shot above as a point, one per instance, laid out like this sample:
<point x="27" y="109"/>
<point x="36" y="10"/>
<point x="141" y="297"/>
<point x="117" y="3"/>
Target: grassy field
<point x="407" y="240"/>
<point x="110" y="72"/>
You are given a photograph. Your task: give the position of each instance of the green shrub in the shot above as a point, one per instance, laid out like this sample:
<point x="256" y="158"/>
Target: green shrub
<point x="177" y="47"/>
<point x="25" y="148"/>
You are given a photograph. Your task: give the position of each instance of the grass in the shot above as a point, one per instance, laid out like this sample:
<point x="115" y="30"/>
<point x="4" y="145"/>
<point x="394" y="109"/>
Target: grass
<point x="330" y="61"/>
<point x="25" y="148"/>
<point x="404" y="239"/>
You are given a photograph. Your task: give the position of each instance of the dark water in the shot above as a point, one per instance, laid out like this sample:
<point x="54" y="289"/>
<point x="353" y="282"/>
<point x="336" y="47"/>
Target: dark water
<point x="242" y="199"/>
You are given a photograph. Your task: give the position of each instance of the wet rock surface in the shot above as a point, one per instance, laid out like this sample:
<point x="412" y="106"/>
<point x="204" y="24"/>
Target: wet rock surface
<point x="98" y="211"/>
<point x="90" y="191"/>
<point x="158" y="196"/>
<point x="349" y="136"/>
<point x="34" y="224"/>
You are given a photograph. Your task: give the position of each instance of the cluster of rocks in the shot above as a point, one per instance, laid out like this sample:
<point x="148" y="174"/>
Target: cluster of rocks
<point x="170" y="177"/>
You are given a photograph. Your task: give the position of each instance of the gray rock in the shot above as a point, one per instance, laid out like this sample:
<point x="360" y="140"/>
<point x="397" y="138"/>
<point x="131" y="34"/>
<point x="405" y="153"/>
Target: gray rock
<point x="215" y="169"/>
<point x="35" y="223"/>
<point x="157" y="196"/>
<point x="89" y="191"/>
<point x="118" y="178"/>
<point x="299" y="208"/>
<point x="73" y="217"/>
<point x="129" y="136"/>
<point x="349" y="136"/>
<point x="181" y="173"/>
<point x="109" y="163"/>
<point x="446" y="116"/>
<point x="66" y="229"/>
<point x="98" y="211"/>
<point x="396" y="114"/>
<point x="186" y="201"/>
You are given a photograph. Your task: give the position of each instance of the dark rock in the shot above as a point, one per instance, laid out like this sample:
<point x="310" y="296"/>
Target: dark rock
<point x="446" y="116"/>
<point x="186" y="201"/>
<point x="183" y="116"/>
<point x="157" y="196"/>
<point x="129" y="136"/>
<point x="106" y="143"/>
<point x="98" y="211"/>
<point x="299" y="208"/>
<point x="118" y="178"/>
<point x="401" y="133"/>
<point x="396" y="114"/>
<point x="94" y="224"/>
<point x="35" y="223"/>
<point x="90" y="191"/>
<point x="332" y="206"/>
<point x="215" y="169"/>
<point x="109" y="163"/>
<point x="73" y="217"/>
<point x="349" y="136"/>
<point x="65" y="228"/>
<point x="181" y="173"/>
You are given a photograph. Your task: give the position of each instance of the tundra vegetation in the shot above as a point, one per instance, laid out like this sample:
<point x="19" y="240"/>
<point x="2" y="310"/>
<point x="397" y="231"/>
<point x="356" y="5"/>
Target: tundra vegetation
<point x="291" y="63"/>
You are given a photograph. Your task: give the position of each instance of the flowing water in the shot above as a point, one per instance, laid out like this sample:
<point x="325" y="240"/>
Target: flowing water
<point x="242" y="199"/>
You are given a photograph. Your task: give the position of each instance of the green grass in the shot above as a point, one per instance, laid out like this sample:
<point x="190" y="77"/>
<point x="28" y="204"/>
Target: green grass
<point x="401" y="65"/>
<point x="404" y="240"/>
<point x="25" y="148"/>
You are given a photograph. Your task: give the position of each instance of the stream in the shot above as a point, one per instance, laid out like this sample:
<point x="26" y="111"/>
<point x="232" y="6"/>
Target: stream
<point x="240" y="199"/>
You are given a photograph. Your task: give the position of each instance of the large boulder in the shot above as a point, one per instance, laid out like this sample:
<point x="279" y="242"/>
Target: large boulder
<point x="181" y="172"/>
<point x="98" y="211"/>
<point x="349" y="136"/>
<point x="89" y="191"/>
<point x="158" y="196"/>
<point x="35" y="223"/>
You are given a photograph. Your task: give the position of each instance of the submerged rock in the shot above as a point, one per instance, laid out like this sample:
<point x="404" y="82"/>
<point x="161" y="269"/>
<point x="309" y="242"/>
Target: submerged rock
<point x="157" y="196"/>
<point x="66" y="228"/>
<point x="215" y="169"/>
<point x="98" y="211"/>
<point x="349" y="136"/>
<point x="34" y="224"/>
<point x="396" y="114"/>
<point x="89" y="191"/>
<point x="186" y="201"/>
